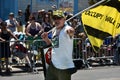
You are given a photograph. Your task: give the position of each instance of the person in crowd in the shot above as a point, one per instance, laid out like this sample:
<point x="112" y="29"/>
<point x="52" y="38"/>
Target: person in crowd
<point x="62" y="47"/>
<point x="12" y="23"/>
<point x="40" y="15"/>
<point x="47" y="24"/>
<point x="20" y="19"/>
<point x="5" y="35"/>
<point x="27" y="13"/>
<point x="117" y="49"/>
<point x="34" y="29"/>
<point x="54" y="7"/>
<point x="29" y="21"/>
<point x="88" y="48"/>
<point x="69" y="16"/>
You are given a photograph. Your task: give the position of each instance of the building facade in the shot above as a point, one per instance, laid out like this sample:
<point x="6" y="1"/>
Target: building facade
<point x="7" y="6"/>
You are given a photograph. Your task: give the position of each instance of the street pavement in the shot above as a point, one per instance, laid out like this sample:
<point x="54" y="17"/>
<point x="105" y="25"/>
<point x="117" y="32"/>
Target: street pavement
<point x="96" y="73"/>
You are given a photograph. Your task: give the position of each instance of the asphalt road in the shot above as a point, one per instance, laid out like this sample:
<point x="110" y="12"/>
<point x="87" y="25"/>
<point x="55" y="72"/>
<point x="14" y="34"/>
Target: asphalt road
<point x="96" y="73"/>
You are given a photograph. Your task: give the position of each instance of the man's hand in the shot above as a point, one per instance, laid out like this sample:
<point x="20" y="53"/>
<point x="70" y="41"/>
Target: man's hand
<point x="44" y="35"/>
<point x="71" y="32"/>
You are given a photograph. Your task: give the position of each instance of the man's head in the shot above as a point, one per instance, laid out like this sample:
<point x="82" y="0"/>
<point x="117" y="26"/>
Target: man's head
<point x="59" y="18"/>
<point x="11" y="15"/>
<point x="20" y="12"/>
<point x="54" y="7"/>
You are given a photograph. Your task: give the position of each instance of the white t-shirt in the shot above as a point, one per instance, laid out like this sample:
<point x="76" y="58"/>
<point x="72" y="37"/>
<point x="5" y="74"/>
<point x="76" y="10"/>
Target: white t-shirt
<point x="12" y="28"/>
<point x="62" y="54"/>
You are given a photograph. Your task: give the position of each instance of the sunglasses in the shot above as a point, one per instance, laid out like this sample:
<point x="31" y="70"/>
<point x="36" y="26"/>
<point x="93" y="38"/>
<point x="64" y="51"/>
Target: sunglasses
<point x="57" y="18"/>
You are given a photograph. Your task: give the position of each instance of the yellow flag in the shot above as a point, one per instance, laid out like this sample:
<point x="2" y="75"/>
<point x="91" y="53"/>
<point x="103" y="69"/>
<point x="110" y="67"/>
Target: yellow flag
<point x="101" y="22"/>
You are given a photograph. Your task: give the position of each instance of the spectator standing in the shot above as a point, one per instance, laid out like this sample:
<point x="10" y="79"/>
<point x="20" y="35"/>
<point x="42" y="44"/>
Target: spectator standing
<point x="20" y="19"/>
<point x="34" y="29"/>
<point x="117" y="49"/>
<point x="5" y="35"/>
<point x="62" y="47"/>
<point x="12" y="23"/>
<point x="54" y="7"/>
<point x="40" y="15"/>
<point x="47" y="24"/>
<point x="27" y="13"/>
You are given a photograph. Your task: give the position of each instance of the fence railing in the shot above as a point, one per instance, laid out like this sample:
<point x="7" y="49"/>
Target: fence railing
<point x="28" y="52"/>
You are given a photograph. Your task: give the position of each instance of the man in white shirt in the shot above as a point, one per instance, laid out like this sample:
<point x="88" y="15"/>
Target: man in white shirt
<point x="62" y="47"/>
<point x="12" y="22"/>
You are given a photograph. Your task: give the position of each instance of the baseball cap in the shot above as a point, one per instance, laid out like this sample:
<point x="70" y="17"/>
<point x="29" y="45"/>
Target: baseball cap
<point x="19" y="11"/>
<point x="58" y="14"/>
<point x="11" y="14"/>
<point x="54" y="6"/>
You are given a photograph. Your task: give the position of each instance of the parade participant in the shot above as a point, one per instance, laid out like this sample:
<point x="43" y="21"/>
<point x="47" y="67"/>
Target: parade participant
<point x="20" y="19"/>
<point x="62" y="47"/>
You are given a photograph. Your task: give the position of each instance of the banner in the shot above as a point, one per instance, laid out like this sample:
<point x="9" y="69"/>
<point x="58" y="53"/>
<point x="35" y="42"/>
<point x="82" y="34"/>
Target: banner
<point x="101" y="22"/>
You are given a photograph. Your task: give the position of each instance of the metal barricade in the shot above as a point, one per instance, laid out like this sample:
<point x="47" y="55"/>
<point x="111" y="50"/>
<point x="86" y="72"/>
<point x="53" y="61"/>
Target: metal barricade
<point x="79" y="54"/>
<point x="29" y="52"/>
<point x="21" y="53"/>
<point x="83" y="51"/>
<point x="103" y="57"/>
<point x="38" y="45"/>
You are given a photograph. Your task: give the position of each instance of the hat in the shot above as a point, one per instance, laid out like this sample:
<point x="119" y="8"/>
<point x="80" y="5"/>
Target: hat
<point x="11" y="14"/>
<point x="20" y="11"/>
<point x="54" y="6"/>
<point x="58" y="13"/>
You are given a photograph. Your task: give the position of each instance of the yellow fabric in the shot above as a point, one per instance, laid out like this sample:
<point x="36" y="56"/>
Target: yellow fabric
<point x="103" y="18"/>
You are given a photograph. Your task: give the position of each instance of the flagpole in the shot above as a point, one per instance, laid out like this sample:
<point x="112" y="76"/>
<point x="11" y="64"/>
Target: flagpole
<point x="96" y="4"/>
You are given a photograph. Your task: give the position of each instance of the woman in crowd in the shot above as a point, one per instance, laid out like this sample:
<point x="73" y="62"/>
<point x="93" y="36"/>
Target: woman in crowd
<point x="47" y="24"/>
<point x="5" y="35"/>
<point x="34" y="29"/>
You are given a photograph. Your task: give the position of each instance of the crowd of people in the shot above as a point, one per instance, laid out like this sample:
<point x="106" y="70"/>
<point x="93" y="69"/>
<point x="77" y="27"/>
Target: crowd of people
<point x="35" y="26"/>
<point x="38" y="26"/>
